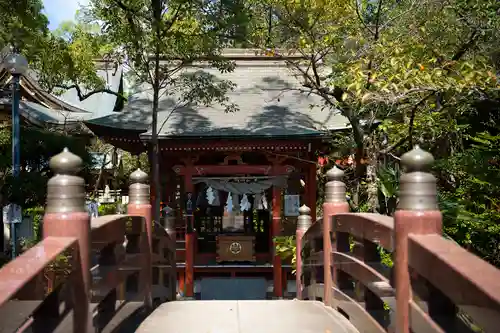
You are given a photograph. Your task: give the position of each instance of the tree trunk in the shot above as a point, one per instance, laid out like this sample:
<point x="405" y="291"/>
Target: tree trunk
<point x="154" y="126"/>
<point x="101" y="175"/>
<point x="155" y="165"/>
<point x="371" y="181"/>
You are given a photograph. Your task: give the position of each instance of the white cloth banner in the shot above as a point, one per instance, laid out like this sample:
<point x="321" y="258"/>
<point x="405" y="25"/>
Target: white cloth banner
<point x="254" y="187"/>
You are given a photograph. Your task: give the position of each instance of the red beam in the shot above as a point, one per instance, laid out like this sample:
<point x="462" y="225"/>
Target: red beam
<point x="200" y="170"/>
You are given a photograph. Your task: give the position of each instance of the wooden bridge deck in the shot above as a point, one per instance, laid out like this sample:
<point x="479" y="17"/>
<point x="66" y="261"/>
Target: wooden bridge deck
<point x="276" y="316"/>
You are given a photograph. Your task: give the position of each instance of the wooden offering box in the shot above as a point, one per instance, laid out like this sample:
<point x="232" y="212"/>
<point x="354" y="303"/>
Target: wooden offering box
<point x="235" y="248"/>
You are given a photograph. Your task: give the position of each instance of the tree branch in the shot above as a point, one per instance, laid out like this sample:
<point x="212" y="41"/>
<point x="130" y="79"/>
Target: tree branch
<point x="462" y="50"/>
<point x="394" y="146"/>
<point x="83" y="96"/>
<point x="360" y="18"/>
<point x="412" y="118"/>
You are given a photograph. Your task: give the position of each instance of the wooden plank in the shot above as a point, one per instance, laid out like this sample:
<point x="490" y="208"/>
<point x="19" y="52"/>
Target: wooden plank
<point x="127" y="318"/>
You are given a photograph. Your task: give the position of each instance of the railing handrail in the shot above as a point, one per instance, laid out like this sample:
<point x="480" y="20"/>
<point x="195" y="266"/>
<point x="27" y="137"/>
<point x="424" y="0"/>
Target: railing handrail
<point x="431" y="277"/>
<point x="123" y="244"/>
<point x="17" y="273"/>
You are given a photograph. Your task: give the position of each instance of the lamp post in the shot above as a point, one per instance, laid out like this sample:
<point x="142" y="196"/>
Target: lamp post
<point x="17" y="65"/>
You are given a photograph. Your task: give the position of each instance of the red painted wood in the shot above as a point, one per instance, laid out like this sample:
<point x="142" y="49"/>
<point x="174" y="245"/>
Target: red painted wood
<point x="276" y="230"/>
<point x="215" y="270"/>
<point x="146" y="277"/>
<point x="181" y="279"/>
<point x="199" y="170"/>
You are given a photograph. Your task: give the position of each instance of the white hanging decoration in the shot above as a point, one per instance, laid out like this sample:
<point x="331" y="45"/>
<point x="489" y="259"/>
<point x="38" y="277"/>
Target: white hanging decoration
<point x="216" y="201"/>
<point x="245" y="204"/>
<point x="229" y="203"/>
<point x="264" y="202"/>
<point x="210" y="195"/>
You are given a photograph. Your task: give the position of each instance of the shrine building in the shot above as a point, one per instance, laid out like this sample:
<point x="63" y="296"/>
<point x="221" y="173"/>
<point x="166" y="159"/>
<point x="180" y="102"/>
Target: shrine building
<point x="233" y="181"/>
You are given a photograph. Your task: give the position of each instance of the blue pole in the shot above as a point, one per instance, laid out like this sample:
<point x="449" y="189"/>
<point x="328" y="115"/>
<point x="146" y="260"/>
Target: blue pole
<point x="16" y="149"/>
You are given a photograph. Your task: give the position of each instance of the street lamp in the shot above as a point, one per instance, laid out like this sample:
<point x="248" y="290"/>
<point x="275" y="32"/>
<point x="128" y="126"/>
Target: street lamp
<point x="17" y="65"/>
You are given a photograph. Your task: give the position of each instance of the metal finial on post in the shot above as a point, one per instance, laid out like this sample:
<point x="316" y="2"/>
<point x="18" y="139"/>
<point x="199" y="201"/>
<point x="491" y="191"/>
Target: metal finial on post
<point x="139" y="189"/>
<point x="335" y="188"/>
<point x="66" y="216"/>
<point x="417" y="185"/>
<point x="417" y="160"/>
<point x="65" y="191"/>
<point x="304" y="220"/>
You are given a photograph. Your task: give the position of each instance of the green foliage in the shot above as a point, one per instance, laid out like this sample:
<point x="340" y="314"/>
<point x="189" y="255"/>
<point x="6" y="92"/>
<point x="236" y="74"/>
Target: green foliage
<point x="62" y="59"/>
<point x="22" y="24"/>
<point x="36" y="213"/>
<point x="426" y="71"/>
<point x="74" y="48"/>
<point x="107" y="209"/>
<point x="285" y="247"/>
<point x="37" y="147"/>
<point x="388" y="187"/>
<point x="469" y="199"/>
<point x="184" y="32"/>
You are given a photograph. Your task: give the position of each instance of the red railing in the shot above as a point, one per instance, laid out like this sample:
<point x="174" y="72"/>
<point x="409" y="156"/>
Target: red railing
<point x="134" y="262"/>
<point x="429" y="284"/>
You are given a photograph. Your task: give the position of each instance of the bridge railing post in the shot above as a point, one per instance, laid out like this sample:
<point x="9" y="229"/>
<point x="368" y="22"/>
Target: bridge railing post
<point x="417" y="213"/>
<point x="303" y="223"/>
<point x="172" y="233"/>
<point x="66" y="216"/>
<point x="140" y="204"/>
<point x="335" y="203"/>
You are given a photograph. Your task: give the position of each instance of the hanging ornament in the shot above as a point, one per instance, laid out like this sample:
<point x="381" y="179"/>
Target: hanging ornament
<point x="245" y="204"/>
<point x="216" y="201"/>
<point x="229" y="203"/>
<point x="264" y="202"/>
<point x="210" y="195"/>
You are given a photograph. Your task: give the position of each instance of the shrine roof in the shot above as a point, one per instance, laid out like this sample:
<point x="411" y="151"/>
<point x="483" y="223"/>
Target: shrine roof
<point x="270" y="99"/>
<point x="46" y="109"/>
<point x="42" y="116"/>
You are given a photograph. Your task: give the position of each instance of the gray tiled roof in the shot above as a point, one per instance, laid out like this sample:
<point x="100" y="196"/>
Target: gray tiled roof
<point x="100" y="104"/>
<point x="264" y="93"/>
<point x="38" y="113"/>
<point x="53" y="108"/>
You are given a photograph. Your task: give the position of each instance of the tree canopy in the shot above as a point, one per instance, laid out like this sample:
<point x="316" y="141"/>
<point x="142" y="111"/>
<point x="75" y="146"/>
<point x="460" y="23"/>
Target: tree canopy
<point x="405" y="72"/>
<point x="158" y="40"/>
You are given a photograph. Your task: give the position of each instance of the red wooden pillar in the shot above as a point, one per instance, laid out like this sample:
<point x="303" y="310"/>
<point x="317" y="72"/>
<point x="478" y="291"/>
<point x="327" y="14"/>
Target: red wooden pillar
<point x="276" y="231"/>
<point x="190" y="236"/>
<point x="181" y="279"/>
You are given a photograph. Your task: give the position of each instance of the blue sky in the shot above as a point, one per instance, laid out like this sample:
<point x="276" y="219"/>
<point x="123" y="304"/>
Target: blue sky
<point x="61" y="10"/>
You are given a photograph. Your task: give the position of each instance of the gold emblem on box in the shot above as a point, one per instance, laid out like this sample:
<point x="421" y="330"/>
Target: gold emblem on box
<point x="235" y="248"/>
